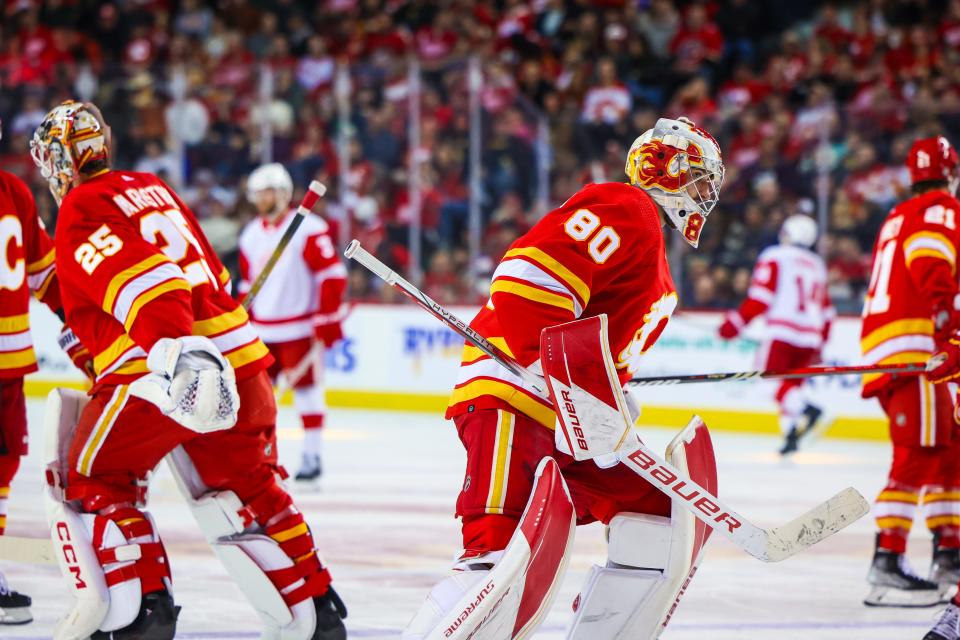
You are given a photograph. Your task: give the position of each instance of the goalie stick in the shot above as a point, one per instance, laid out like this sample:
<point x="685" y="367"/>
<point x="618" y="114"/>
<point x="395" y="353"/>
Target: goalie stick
<point x="769" y="545"/>
<point x="314" y="192"/>
<point x="904" y="369"/>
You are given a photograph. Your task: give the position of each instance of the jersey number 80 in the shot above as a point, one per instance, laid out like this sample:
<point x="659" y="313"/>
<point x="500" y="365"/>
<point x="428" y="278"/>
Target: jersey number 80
<point x="601" y="245"/>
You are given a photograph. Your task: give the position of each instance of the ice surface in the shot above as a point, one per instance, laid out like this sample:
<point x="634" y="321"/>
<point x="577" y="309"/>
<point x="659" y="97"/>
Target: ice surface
<point x="384" y="522"/>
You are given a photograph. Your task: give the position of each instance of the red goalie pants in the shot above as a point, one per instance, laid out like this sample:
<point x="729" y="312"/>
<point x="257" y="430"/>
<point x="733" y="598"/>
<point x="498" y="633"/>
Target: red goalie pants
<point x="503" y="451"/>
<point x="121" y="438"/>
<point x="925" y="471"/>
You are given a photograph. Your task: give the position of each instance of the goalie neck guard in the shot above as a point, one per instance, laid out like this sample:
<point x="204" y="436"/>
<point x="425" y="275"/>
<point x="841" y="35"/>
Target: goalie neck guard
<point x="679" y="165"/>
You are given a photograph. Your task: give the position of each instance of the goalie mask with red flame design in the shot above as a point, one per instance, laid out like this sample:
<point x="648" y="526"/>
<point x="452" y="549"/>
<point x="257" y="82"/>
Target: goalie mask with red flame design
<point x="71" y="140"/>
<point x="679" y="165"/>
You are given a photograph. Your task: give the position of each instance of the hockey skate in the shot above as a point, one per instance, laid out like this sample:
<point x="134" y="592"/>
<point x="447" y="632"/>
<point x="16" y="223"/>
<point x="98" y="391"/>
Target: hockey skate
<point x="947" y="626"/>
<point x="945" y="565"/>
<point x="14" y="607"/>
<point x="157" y="620"/>
<point x="310" y="469"/>
<point x="330" y="614"/>
<point x="790" y="442"/>
<point x="808" y="428"/>
<point x="894" y="583"/>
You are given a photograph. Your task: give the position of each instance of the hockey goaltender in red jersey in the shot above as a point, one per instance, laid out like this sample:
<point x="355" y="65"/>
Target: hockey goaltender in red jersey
<point x="180" y="372"/>
<point x="601" y="252"/>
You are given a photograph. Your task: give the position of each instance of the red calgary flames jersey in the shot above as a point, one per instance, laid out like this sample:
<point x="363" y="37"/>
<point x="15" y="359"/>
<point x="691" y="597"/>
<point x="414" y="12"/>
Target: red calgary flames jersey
<point x="27" y="266"/>
<point x="135" y="267"/>
<point x="602" y="251"/>
<point x="914" y="272"/>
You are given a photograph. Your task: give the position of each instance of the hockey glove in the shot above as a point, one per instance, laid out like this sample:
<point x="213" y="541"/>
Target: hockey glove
<point x="78" y="353"/>
<point x="944" y="365"/>
<point x="731" y="326"/>
<point x="191" y="383"/>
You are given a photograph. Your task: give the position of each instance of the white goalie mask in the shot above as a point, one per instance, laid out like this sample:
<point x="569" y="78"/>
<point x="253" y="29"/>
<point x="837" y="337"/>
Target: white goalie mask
<point x="679" y="165"/>
<point x="271" y="176"/>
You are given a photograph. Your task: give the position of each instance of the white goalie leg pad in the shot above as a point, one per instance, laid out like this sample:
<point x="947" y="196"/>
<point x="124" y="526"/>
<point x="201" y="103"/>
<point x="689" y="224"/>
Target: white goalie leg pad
<point x="650" y="559"/>
<point x="509" y="600"/>
<point x="88" y="547"/>
<point x="247" y="555"/>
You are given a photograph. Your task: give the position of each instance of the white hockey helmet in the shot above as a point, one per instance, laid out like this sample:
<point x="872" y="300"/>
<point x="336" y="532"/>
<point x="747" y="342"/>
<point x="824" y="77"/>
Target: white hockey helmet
<point x="271" y="176"/>
<point x="799" y="230"/>
<point x="679" y="165"/>
<point x="71" y="139"/>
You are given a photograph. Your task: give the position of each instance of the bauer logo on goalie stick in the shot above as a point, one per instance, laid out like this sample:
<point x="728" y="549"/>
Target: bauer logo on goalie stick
<point x="673" y="482"/>
<point x="70" y="555"/>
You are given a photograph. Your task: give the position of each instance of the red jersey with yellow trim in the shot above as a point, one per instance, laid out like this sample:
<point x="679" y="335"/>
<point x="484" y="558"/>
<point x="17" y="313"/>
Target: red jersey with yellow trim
<point x="135" y="267"/>
<point x="602" y="251"/>
<point x="27" y="267"/>
<point x="914" y="272"/>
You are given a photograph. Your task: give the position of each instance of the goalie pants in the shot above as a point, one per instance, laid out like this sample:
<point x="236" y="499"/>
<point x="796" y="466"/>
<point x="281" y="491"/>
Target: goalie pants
<point x="925" y="470"/>
<point x="13" y="438"/>
<point x="120" y="439"/>
<point x="503" y="451"/>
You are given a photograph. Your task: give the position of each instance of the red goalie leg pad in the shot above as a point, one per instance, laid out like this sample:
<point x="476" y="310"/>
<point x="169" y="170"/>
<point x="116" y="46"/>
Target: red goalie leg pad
<point x="294" y="537"/>
<point x="151" y="567"/>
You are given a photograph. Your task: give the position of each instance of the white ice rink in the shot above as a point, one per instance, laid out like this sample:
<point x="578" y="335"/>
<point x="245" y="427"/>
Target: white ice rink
<point x="384" y="522"/>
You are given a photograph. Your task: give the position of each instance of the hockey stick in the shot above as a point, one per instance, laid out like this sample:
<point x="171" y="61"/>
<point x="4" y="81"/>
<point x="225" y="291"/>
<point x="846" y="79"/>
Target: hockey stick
<point x="908" y="368"/>
<point x="314" y="192"/>
<point x="769" y="545"/>
<point x="27" y="550"/>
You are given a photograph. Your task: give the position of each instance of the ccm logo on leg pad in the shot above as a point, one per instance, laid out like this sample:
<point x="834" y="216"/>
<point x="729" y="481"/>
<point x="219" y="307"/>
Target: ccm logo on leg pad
<point x="69" y="554"/>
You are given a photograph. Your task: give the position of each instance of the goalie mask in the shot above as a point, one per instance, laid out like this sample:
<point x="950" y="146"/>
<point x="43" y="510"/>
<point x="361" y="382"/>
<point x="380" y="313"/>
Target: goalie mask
<point x="71" y="140"/>
<point x="679" y="165"/>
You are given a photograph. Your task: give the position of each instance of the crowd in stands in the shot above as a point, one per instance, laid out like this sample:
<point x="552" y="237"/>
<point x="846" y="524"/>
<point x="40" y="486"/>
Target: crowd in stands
<point x="814" y="105"/>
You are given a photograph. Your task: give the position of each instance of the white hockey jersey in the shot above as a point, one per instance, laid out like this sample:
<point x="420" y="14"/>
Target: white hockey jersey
<point x="306" y="286"/>
<point x="789" y="287"/>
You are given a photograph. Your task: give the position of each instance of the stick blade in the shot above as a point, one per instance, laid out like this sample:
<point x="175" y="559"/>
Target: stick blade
<point x="821" y="522"/>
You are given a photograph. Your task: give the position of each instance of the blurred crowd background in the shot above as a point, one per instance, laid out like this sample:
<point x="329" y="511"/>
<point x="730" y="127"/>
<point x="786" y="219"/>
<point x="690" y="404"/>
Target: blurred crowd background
<point x="445" y="129"/>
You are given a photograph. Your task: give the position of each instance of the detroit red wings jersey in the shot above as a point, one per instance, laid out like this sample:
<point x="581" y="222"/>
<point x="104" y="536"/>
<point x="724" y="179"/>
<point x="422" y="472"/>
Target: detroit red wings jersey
<point x="27" y="268"/>
<point x="789" y="288"/>
<point x="602" y="251"/>
<point x="914" y="272"/>
<point x="306" y="285"/>
<point x="135" y="267"/>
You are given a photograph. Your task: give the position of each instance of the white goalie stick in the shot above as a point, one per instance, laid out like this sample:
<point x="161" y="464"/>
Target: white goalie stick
<point x="769" y="545"/>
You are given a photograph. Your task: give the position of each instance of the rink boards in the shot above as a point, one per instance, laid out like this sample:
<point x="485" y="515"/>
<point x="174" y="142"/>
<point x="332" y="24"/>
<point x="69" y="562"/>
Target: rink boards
<point x="397" y="357"/>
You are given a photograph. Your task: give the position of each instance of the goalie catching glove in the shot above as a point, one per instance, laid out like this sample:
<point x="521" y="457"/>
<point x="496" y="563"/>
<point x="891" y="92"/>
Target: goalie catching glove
<point x="191" y="383"/>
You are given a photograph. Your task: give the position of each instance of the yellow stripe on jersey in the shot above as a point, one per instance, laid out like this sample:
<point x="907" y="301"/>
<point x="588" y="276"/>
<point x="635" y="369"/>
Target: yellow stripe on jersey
<point x="152" y="294"/>
<point x="245" y="355"/>
<point x="929" y="244"/>
<point x="899" y="358"/>
<point x="569" y="277"/>
<point x="4" y="492"/>
<point x="510" y="394"/>
<point x="134" y="366"/>
<point x="224" y="276"/>
<point x="109" y="355"/>
<point x="219" y="324"/>
<point x="128" y="274"/>
<point x="15" y="324"/>
<point x="472" y="353"/>
<point x="908" y="326"/>
<point x="942" y="521"/>
<point x="42" y="263"/>
<point x="17" y="359"/>
<point x="531" y="293"/>
<point x="41" y="291"/>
